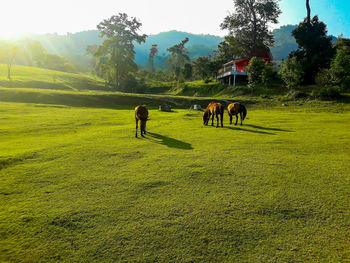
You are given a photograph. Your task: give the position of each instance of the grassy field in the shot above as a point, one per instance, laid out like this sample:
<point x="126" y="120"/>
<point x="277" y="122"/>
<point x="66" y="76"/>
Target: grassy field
<point x="77" y="186"/>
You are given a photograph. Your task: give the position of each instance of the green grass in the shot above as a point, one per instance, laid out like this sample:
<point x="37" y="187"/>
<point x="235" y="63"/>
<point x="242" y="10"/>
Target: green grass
<point x="77" y="186"/>
<point x="31" y="77"/>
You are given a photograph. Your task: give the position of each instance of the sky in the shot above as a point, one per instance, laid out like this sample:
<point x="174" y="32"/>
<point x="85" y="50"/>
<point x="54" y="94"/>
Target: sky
<point x="194" y="16"/>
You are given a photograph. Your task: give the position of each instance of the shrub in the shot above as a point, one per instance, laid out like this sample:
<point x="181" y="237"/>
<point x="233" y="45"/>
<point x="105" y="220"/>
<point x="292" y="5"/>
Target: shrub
<point x="291" y="73"/>
<point x="325" y="78"/>
<point x="207" y="80"/>
<point x="326" y="93"/>
<point x="267" y="74"/>
<point x="129" y="84"/>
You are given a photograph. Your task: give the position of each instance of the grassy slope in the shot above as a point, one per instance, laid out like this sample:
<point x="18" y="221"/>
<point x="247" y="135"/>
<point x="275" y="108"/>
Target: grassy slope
<point x="75" y="185"/>
<point x="31" y="77"/>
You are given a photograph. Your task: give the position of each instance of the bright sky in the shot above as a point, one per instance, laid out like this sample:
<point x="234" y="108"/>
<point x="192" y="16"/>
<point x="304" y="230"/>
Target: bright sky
<point x="194" y="16"/>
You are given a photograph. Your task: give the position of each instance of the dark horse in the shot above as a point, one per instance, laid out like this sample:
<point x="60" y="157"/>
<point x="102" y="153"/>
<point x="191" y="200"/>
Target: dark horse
<point x="214" y="109"/>
<point x="234" y="109"/>
<point x="141" y="115"/>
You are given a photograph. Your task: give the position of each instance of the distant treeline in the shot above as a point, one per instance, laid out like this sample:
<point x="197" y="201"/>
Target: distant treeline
<point x="72" y="47"/>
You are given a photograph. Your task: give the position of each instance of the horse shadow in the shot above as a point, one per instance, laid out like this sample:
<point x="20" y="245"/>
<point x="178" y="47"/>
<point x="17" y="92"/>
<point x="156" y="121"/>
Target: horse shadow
<point x="170" y="142"/>
<point x="236" y="128"/>
<point x="267" y="128"/>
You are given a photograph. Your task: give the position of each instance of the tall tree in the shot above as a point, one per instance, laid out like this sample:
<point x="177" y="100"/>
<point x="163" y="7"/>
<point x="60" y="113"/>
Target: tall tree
<point x="308" y="16"/>
<point x="178" y="57"/>
<point x="248" y="26"/>
<point x="121" y="33"/>
<point x="153" y="52"/>
<point x="315" y="49"/>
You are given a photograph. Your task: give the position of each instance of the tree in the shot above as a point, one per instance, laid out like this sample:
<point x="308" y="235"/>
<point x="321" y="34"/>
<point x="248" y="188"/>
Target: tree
<point x="118" y="47"/>
<point x="201" y="67"/>
<point x="343" y="44"/>
<point x="267" y="74"/>
<point x="187" y="71"/>
<point x="37" y="52"/>
<point x="291" y="73"/>
<point x="178" y="57"/>
<point x="8" y="53"/>
<point x="340" y="69"/>
<point x="248" y="27"/>
<point x="315" y="49"/>
<point x="255" y="69"/>
<point x="308" y="16"/>
<point x="56" y="62"/>
<point x="153" y="52"/>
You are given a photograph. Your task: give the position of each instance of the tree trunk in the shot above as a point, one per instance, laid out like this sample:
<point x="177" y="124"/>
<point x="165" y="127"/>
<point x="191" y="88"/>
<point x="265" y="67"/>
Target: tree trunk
<point x="9" y="71"/>
<point x="116" y="79"/>
<point x="308" y="11"/>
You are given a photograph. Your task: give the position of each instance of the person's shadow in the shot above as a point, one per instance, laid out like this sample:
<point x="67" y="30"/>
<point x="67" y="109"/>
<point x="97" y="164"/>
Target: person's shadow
<point x="170" y="142"/>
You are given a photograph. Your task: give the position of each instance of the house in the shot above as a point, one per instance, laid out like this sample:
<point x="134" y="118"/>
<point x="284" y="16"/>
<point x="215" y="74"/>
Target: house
<point x="237" y="68"/>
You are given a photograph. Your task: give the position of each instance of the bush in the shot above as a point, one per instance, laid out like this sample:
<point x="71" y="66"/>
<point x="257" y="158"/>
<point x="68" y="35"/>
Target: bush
<point x="326" y="93"/>
<point x="291" y="73"/>
<point x="295" y="95"/>
<point x="325" y="78"/>
<point x="267" y="74"/>
<point x="129" y="84"/>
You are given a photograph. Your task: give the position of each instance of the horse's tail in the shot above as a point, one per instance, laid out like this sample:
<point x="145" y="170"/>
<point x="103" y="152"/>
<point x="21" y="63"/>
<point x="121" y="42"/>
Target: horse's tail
<point x="244" y="111"/>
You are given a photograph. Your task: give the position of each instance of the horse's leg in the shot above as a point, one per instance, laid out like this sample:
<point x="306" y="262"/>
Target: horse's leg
<point x="230" y="118"/>
<point x="217" y="120"/>
<point x="142" y="129"/>
<point x="212" y="119"/>
<point x="236" y="119"/>
<point x="136" y="126"/>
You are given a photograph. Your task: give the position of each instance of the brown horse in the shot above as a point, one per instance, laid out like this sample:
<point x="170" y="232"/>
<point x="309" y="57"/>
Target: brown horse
<point x="234" y="109"/>
<point x="214" y="109"/>
<point x="141" y="115"/>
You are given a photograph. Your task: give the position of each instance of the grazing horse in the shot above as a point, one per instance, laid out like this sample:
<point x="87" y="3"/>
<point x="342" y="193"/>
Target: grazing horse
<point x="214" y="109"/>
<point x="141" y="115"/>
<point x="234" y="109"/>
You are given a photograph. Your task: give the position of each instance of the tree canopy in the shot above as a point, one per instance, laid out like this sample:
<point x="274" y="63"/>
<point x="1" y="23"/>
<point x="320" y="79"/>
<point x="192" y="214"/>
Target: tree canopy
<point x="116" y="54"/>
<point x="153" y="52"/>
<point x="315" y="49"/>
<point x="248" y="26"/>
<point x="178" y="57"/>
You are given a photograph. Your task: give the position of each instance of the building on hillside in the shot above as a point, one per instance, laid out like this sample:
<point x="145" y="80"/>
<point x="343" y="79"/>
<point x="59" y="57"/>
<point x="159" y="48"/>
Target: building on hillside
<point x="237" y="69"/>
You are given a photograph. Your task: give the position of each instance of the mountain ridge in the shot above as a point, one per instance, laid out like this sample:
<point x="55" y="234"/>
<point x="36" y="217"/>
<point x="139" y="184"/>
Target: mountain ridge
<point x="72" y="46"/>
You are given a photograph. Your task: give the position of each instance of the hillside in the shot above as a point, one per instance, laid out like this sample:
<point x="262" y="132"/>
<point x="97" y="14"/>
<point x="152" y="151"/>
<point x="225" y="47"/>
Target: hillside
<point x="37" y="78"/>
<point x="73" y="46"/>
<point x="284" y="42"/>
